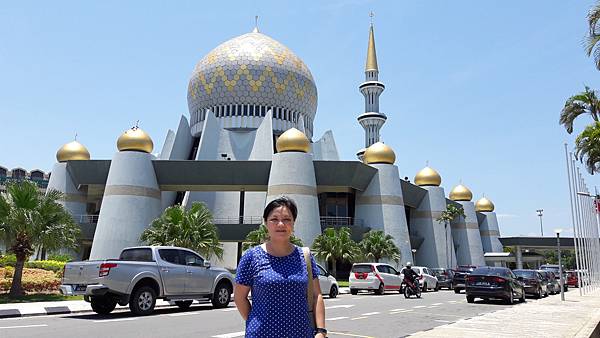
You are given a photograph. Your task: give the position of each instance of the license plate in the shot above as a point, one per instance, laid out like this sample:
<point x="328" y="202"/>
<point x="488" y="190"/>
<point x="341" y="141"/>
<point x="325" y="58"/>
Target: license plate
<point x="482" y="284"/>
<point x="80" y="287"/>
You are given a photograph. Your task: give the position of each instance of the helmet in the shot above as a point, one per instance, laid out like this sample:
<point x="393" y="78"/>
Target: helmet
<point x="408" y="264"/>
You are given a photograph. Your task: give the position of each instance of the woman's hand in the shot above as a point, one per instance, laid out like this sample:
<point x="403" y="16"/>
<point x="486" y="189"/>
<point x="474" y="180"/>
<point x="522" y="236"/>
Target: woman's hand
<point x="240" y="297"/>
<point x="320" y="335"/>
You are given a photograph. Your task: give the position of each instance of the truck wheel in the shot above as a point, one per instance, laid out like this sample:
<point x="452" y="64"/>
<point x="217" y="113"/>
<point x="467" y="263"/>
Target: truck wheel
<point x="221" y="296"/>
<point x="103" y="305"/>
<point x="184" y="304"/>
<point x="142" y="301"/>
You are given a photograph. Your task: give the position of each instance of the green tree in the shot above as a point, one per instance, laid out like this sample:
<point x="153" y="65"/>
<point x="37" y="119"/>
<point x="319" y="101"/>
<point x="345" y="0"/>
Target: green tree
<point x="587" y="147"/>
<point x="261" y="235"/>
<point x="30" y="219"/>
<point x="335" y="245"/>
<point x="452" y="211"/>
<point x="567" y="257"/>
<point x="591" y="45"/>
<point x="583" y="103"/>
<point x="192" y="229"/>
<point x="376" y="245"/>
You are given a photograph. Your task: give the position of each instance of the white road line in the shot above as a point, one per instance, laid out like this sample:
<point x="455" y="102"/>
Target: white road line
<point x="437" y="304"/>
<point x="419" y="306"/>
<point x="443" y="321"/>
<point x="230" y="309"/>
<point x="182" y="314"/>
<point x="401" y="311"/>
<point x="338" y="306"/>
<point x="396" y="309"/>
<point x="114" y="320"/>
<point x="336" y="318"/>
<point x="357" y="318"/>
<point x="370" y="313"/>
<point x="22" y="326"/>
<point x="230" y="335"/>
<point x="432" y="307"/>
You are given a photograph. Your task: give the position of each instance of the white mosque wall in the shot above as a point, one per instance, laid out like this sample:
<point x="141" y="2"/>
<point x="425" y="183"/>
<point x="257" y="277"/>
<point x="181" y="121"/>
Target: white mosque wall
<point x="165" y="153"/>
<point x="381" y="206"/>
<point x="74" y="200"/>
<point x="177" y="147"/>
<point x="467" y="240"/>
<point x="131" y="202"/>
<point x="490" y="232"/>
<point x="325" y="149"/>
<point x="262" y="149"/>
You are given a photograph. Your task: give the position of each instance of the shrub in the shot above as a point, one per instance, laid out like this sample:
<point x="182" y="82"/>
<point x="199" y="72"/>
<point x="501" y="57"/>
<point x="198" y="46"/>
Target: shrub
<point x="55" y="266"/>
<point x="34" y="280"/>
<point x="8" y="260"/>
<point x="60" y="257"/>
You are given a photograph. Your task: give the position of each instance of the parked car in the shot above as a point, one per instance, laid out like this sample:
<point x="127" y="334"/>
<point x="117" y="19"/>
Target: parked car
<point x="460" y="274"/>
<point x="555" y="269"/>
<point x="551" y="281"/>
<point x="144" y="274"/>
<point x="444" y="277"/>
<point x="494" y="282"/>
<point x="572" y="279"/>
<point x="427" y="279"/>
<point x="533" y="282"/>
<point x="328" y="283"/>
<point x="377" y="277"/>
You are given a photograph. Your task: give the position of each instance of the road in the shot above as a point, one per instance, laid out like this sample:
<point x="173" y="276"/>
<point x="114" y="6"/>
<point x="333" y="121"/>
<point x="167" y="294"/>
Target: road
<point x="363" y="315"/>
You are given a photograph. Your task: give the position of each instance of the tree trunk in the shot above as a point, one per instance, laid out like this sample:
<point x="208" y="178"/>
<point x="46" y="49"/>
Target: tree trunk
<point x="16" y="289"/>
<point x="333" y="268"/>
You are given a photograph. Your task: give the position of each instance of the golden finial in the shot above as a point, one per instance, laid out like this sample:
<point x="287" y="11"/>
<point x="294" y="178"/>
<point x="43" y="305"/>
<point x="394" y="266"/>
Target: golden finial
<point x="255" y="30"/>
<point x="371" y="54"/>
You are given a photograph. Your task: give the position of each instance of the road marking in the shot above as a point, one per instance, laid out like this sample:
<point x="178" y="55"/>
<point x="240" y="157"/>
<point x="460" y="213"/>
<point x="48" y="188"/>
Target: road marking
<point x="182" y="314"/>
<point x="350" y="335"/>
<point x="401" y="311"/>
<point x="432" y="307"/>
<point x="338" y="306"/>
<point x="443" y="321"/>
<point x="114" y="320"/>
<point x="336" y="318"/>
<point x="437" y="304"/>
<point x="419" y="306"/>
<point x="22" y="326"/>
<point x="230" y="309"/>
<point x="359" y="318"/>
<point x="370" y="313"/>
<point x="396" y="309"/>
<point x="231" y="335"/>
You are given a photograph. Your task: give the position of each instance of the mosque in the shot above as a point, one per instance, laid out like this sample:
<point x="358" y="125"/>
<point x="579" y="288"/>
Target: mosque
<point x="249" y="139"/>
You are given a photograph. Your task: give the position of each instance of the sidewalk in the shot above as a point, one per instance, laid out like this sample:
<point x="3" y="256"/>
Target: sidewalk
<point x="70" y="306"/>
<point x="577" y="316"/>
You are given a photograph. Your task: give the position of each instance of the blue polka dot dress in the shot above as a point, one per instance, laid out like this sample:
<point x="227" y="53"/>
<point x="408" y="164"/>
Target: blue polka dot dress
<point x="278" y="286"/>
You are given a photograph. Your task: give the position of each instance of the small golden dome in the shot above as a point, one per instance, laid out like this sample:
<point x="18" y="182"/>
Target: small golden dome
<point x="428" y="176"/>
<point x="72" y="151"/>
<point x="484" y="205"/>
<point x="293" y="140"/>
<point x="379" y="153"/>
<point x="135" y="139"/>
<point x="461" y="193"/>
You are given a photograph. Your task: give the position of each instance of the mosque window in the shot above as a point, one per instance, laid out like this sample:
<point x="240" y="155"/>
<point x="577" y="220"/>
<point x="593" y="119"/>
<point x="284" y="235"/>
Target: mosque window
<point x="36" y="175"/>
<point x="18" y="173"/>
<point x="3" y="172"/>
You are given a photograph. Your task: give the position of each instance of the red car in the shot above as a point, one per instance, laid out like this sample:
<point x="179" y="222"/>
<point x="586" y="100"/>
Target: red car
<point x="572" y="279"/>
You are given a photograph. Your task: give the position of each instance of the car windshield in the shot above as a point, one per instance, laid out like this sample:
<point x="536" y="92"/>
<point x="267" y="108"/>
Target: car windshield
<point x="525" y="273"/>
<point x="361" y="268"/>
<point x="489" y="271"/>
<point x="462" y="269"/>
<point x="438" y="272"/>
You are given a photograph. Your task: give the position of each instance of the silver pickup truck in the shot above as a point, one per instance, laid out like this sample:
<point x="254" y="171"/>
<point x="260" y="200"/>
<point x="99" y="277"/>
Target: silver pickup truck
<point x="143" y="274"/>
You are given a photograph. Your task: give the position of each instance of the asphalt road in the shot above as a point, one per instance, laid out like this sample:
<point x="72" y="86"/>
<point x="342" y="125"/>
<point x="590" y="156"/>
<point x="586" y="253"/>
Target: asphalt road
<point x="363" y="315"/>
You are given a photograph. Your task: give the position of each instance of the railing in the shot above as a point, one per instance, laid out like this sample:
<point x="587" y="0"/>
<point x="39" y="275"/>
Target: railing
<point x="41" y="183"/>
<point x="328" y="221"/>
<point x="86" y="219"/>
<point x="238" y="220"/>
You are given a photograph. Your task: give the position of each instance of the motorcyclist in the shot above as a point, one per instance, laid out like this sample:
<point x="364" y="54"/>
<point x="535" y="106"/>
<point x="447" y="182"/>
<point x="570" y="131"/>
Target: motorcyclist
<point x="409" y="274"/>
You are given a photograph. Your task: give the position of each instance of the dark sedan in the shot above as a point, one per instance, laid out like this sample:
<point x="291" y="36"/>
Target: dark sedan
<point x="533" y="282"/>
<point x="461" y="272"/>
<point x="444" y="277"/>
<point x="494" y="283"/>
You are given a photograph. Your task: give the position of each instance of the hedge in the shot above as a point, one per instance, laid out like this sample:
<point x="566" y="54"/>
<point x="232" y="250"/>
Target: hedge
<point x="34" y="280"/>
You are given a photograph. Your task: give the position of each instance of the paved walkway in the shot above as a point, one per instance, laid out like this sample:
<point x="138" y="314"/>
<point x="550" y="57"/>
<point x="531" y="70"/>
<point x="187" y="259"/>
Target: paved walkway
<point x="577" y="316"/>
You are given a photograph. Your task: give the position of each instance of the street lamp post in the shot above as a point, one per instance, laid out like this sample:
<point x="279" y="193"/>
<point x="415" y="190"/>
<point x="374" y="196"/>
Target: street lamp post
<point x="540" y="213"/>
<point x="413" y="254"/>
<point x="560" y="270"/>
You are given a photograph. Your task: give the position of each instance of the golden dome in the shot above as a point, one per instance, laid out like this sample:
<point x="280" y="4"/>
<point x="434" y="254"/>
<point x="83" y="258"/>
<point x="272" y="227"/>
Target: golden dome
<point x="461" y="193"/>
<point x="379" y="153"/>
<point x="484" y="205"/>
<point x="428" y="176"/>
<point x="72" y="151"/>
<point x="135" y="139"/>
<point x="293" y="140"/>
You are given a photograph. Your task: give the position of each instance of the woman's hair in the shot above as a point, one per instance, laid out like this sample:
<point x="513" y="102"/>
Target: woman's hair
<point x="281" y="202"/>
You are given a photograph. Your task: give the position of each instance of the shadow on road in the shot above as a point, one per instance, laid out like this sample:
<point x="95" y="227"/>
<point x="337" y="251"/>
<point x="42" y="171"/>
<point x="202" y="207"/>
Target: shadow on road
<point x="125" y="313"/>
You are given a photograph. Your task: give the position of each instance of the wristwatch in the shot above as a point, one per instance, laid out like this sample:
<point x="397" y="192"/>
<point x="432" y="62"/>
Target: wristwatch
<point x="321" y="330"/>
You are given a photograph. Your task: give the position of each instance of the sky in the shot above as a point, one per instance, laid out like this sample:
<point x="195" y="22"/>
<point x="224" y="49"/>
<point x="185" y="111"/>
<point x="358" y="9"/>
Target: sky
<point x="473" y="87"/>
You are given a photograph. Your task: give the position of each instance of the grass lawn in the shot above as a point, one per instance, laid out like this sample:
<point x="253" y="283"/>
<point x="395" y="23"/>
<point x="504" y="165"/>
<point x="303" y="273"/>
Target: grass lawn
<point x="343" y="283"/>
<point x="40" y="297"/>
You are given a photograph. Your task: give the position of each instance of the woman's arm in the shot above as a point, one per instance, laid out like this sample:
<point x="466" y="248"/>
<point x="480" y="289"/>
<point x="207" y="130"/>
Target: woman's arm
<point x="240" y="297"/>
<point x="319" y="307"/>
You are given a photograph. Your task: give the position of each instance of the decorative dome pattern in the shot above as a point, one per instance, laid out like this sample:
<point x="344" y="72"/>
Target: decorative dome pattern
<point x="484" y="205"/>
<point x="293" y="140"/>
<point x="135" y="139"/>
<point x="428" y="176"/>
<point x="253" y="69"/>
<point x="461" y="193"/>
<point x="72" y="151"/>
<point x="379" y="153"/>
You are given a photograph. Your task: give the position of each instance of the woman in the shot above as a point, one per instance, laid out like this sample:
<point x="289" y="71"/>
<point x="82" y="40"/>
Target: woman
<point x="276" y="273"/>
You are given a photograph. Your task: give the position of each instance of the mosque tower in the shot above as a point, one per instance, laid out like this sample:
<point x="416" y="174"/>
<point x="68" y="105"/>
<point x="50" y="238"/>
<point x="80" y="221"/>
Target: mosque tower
<point x="465" y="230"/>
<point x="371" y="120"/>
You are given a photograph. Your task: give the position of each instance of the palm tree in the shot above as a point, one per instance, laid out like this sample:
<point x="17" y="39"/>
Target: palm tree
<point x="30" y="219"/>
<point x="585" y="102"/>
<point x="335" y="245"/>
<point x="261" y="235"/>
<point x="192" y="229"/>
<point x="587" y="147"/>
<point x="377" y="245"/>
<point x="594" y="34"/>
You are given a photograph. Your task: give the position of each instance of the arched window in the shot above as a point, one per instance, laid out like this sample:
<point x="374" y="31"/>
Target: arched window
<point x="36" y="175"/>
<point x="3" y="172"/>
<point x="18" y="173"/>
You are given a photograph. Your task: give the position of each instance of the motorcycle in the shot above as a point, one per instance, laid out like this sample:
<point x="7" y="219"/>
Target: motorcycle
<point x="412" y="287"/>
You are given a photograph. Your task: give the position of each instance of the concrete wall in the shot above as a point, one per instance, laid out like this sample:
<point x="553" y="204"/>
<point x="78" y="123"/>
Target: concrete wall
<point x="489" y="231"/>
<point x="325" y="149"/>
<point x="467" y="240"/>
<point x="74" y="200"/>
